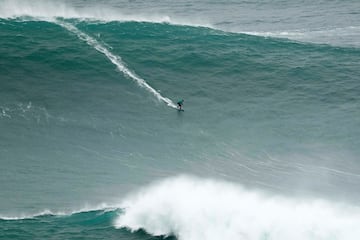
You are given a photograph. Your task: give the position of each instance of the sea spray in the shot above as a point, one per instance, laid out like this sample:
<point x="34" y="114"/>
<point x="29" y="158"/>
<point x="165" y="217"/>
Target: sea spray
<point x="42" y="9"/>
<point x="192" y="208"/>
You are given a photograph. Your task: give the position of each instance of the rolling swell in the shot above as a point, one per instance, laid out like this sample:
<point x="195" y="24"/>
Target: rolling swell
<point x="93" y="224"/>
<point x="276" y="81"/>
<point x="231" y="80"/>
<point x="82" y="225"/>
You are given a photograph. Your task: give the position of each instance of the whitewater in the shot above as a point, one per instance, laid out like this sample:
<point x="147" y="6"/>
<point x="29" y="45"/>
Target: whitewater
<point x="192" y="208"/>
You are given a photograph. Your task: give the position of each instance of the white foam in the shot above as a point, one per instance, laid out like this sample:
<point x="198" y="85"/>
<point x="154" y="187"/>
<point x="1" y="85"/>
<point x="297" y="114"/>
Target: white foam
<point x="47" y="9"/>
<point x="308" y="33"/>
<point x="193" y="209"/>
<point x="336" y="36"/>
<point x="116" y="60"/>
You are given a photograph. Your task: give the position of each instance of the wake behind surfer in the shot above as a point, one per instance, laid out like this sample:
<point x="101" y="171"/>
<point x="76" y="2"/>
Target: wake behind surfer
<point x="180" y="104"/>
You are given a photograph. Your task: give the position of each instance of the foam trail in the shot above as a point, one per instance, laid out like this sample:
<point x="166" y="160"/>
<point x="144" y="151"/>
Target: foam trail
<point x="116" y="60"/>
<point x="192" y="209"/>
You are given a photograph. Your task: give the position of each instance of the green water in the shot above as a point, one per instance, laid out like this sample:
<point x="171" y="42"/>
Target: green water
<point x="264" y="113"/>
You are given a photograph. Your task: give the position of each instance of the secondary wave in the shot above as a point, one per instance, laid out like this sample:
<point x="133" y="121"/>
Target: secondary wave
<point x="116" y="60"/>
<point x="193" y="209"/>
<point x="47" y="212"/>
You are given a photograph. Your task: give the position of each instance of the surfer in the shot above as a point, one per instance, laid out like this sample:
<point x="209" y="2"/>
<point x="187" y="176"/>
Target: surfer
<point x="180" y="103"/>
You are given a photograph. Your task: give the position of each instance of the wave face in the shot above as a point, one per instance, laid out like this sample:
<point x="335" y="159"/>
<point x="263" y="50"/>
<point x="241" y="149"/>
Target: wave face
<point x="83" y="225"/>
<point x="116" y="60"/>
<point x="85" y="119"/>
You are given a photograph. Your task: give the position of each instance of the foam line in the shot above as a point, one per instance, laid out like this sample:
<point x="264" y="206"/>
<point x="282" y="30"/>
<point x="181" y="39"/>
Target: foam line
<point x="116" y="60"/>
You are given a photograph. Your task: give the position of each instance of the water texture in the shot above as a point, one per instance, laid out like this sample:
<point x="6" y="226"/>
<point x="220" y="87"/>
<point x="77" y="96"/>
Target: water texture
<point x="92" y="146"/>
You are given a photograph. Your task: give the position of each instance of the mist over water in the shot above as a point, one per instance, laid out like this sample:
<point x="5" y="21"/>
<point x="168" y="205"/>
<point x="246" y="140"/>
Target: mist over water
<point x="267" y="147"/>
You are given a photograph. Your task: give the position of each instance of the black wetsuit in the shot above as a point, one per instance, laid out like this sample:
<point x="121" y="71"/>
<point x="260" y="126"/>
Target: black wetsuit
<point x="180" y="103"/>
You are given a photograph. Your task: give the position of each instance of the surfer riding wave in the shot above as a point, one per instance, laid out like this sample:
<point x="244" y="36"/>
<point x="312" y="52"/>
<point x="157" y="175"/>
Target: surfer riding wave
<point x="180" y="104"/>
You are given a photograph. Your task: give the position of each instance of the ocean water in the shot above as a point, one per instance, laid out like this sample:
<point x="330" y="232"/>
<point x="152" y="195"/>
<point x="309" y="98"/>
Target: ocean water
<point x="92" y="146"/>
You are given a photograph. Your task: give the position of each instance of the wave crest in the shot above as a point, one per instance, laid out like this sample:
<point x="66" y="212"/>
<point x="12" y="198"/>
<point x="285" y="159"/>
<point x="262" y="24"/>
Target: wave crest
<point x="191" y="209"/>
<point x="44" y="9"/>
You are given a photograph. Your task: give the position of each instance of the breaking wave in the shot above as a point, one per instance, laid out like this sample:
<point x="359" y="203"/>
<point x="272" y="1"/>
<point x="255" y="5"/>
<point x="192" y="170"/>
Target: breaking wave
<point x="51" y="9"/>
<point x="192" y="208"/>
<point x="47" y="10"/>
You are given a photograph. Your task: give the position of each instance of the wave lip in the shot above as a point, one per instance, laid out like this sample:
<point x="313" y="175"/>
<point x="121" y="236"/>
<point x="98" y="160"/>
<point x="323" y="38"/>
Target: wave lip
<point x="47" y="9"/>
<point x="191" y="208"/>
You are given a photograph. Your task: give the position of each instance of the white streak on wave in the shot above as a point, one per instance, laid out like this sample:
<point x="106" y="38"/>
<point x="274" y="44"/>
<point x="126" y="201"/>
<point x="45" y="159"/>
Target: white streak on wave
<point x="116" y="60"/>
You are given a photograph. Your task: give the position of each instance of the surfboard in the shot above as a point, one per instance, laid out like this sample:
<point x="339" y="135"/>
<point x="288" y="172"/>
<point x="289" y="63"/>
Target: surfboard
<point x="181" y="110"/>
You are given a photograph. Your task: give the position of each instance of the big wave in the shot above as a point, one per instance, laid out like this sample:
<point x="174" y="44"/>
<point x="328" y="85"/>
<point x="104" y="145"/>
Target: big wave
<point x="117" y="61"/>
<point x="191" y="208"/>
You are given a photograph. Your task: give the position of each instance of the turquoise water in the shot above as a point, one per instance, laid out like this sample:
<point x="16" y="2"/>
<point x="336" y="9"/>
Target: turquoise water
<point x="91" y="145"/>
